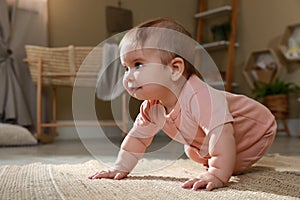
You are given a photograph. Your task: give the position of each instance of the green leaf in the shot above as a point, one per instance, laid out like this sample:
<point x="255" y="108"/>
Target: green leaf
<point x="277" y="87"/>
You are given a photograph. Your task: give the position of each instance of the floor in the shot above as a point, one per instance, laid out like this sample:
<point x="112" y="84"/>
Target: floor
<point x="77" y="151"/>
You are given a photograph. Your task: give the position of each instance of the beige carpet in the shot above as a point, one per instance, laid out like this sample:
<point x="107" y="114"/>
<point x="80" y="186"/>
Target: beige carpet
<point x="274" y="177"/>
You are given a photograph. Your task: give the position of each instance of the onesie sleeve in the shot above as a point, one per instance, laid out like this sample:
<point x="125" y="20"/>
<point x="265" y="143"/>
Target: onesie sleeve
<point x="209" y="108"/>
<point x="149" y="121"/>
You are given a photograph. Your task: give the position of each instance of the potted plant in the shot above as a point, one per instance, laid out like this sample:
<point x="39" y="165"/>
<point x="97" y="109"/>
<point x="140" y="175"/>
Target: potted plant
<point x="275" y="96"/>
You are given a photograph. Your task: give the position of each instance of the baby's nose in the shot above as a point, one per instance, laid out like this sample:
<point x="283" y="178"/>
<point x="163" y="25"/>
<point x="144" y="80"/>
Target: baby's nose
<point x="129" y="76"/>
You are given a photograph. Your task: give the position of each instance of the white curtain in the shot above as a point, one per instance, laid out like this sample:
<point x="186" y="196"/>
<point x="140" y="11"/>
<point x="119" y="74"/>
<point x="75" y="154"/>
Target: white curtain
<point x="22" y="22"/>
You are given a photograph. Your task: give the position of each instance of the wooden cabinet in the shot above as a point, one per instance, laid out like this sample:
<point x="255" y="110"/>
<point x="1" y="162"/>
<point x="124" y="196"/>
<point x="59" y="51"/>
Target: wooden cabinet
<point x="219" y="43"/>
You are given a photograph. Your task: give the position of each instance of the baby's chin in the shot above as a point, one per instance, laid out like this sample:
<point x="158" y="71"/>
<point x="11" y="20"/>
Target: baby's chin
<point x="137" y="95"/>
<point x="133" y="94"/>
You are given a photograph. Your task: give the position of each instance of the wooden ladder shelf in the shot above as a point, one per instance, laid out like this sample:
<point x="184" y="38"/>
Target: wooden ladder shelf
<point x="231" y="44"/>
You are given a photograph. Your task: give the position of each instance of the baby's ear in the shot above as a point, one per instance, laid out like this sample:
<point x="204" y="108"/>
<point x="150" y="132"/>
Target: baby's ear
<point x="177" y="66"/>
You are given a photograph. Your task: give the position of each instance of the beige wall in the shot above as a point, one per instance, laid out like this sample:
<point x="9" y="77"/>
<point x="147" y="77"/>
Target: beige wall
<point x="261" y="24"/>
<point x="82" y="22"/>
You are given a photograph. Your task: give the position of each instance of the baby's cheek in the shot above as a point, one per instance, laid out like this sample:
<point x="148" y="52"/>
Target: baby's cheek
<point x="126" y="86"/>
<point x="125" y="83"/>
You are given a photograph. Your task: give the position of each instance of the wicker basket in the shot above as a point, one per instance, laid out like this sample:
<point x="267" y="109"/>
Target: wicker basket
<point x="65" y="60"/>
<point x="278" y="105"/>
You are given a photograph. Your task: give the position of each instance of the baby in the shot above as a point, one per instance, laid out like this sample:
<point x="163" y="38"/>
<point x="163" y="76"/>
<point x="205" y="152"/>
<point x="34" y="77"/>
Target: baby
<point x="225" y="132"/>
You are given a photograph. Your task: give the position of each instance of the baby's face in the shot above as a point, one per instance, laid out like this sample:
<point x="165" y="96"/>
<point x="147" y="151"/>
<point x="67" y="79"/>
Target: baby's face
<point x="145" y="78"/>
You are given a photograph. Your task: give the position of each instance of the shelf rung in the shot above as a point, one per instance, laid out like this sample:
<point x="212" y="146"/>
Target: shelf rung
<point x="213" y="11"/>
<point x="217" y="44"/>
<point x="220" y="84"/>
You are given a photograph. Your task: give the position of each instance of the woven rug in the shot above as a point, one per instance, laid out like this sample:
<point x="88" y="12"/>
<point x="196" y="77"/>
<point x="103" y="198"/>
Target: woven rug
<point x="273" y="177"/>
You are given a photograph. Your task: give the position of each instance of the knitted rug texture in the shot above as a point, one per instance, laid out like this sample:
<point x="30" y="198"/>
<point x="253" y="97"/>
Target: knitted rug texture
<point x="273" y="177"/>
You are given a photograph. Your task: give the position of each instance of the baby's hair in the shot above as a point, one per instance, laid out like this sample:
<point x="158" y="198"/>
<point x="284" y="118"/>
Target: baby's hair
<point x="141" y="34"/>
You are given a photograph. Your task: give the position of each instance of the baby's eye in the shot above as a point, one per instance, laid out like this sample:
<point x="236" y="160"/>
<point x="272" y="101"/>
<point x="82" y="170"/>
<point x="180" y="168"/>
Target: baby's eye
<point x="138" y="65"/>
<point x="126" y="68"/>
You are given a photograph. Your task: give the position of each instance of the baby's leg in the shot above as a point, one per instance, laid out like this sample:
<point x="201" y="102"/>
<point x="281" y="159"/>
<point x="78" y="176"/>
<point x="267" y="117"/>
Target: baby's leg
<point x="193" y="154"/>
<point x="249" y="156"/>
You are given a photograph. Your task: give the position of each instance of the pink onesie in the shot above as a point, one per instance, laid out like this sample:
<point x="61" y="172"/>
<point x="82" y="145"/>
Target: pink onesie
<point x="200" y="109"/>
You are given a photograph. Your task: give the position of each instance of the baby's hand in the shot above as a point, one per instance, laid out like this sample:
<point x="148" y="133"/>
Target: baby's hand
<point x="205" y="180"/>
<point x="113" y="174"/>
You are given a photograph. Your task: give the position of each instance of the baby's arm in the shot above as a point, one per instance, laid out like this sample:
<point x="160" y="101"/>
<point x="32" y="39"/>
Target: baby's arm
<point x="131" y="151"/>
<point x="222" y="149"/>
<point x="223" y="153"/>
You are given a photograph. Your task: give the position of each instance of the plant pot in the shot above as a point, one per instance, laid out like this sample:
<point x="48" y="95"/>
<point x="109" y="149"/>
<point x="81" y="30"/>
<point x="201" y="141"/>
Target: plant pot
<point x="278" y="105"/>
